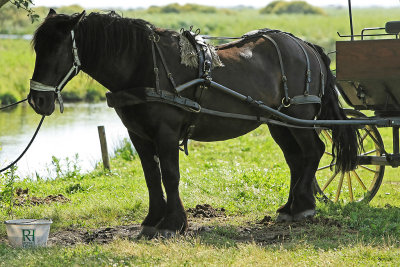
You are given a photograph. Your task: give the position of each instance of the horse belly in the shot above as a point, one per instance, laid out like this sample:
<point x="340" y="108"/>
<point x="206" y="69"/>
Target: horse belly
<point x="208" y="128"/>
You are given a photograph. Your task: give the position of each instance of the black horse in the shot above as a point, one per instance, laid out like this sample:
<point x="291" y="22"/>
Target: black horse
<point x="117" y="52"/>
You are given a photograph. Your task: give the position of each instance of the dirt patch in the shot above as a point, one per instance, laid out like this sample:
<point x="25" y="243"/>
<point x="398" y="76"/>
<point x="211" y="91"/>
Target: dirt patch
<point x="262" y="234"/>
<point x="206" y="211"/>
<point x="103" y="235"/>
<point x="34" y="201"/>
<point x="208" y="223"/>
<point x="23" y="198"/>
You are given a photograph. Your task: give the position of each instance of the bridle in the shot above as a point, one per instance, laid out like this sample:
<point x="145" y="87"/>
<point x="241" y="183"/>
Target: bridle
<point x="73" y="71"/>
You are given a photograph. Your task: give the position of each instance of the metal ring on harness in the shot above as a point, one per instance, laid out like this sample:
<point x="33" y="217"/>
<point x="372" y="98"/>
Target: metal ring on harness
<point x="286" y="103"/>
<point x="198" y="110"/>
<point x="154" y="37"/>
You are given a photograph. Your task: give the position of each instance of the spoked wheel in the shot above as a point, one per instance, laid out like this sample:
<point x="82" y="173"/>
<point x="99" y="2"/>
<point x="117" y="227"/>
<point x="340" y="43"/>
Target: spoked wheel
<point x="359" y="185"/>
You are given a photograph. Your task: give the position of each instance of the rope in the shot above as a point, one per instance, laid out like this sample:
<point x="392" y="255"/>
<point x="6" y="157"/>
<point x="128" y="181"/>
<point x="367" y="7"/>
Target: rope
<point x="14" y="104"/>
<point x="30" y="142"/>
<point x="27" y="147"/>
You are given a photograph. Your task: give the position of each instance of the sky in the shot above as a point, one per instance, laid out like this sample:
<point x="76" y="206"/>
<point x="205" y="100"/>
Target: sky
<point x="221" y="3"/>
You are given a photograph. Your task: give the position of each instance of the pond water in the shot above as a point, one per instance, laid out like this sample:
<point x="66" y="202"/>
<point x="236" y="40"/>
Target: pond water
<point x="62" y="135"/>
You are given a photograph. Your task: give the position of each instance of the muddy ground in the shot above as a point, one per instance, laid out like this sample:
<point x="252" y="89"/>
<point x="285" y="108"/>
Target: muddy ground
<point x="263" y="232"/>
<point x="204" y="220"/>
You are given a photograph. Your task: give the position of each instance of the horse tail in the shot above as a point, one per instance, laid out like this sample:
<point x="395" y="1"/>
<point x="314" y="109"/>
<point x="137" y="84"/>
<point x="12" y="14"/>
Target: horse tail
<point x="345" y="138"/>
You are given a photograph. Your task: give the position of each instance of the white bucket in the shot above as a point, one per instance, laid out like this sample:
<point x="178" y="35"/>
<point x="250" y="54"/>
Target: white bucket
<point x="28" y="232"/>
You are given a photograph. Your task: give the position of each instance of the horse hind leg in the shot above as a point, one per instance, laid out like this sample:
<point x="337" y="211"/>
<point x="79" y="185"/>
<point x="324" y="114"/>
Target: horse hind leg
<point x="151" y="168"/>
<point x="291" y="151"/>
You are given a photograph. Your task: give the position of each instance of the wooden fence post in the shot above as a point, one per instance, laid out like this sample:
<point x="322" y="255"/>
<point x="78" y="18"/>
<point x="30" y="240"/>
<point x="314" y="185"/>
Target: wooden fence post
<point x="103" y="145"/>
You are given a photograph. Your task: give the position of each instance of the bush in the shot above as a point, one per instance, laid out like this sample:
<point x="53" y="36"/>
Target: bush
<point x="93" y="95"/>
<point x="292" y="7"/>
<point x="176" y="8"/>
<point x="125" y="150"/>
<point x="270" y="7"/>
<point x="7" y="98"/>
<point x="171" y="8"/>
<point x="71" y="96"/>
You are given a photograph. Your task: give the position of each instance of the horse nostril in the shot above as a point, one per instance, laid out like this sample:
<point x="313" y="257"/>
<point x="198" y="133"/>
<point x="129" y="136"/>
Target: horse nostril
<point x="40" y="102"/>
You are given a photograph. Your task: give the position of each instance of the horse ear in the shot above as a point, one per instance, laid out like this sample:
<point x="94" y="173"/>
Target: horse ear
<point x="75" y="21"/>
<point x="52" y="12"/>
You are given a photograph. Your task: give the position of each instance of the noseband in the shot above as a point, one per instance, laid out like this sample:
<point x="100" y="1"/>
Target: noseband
<point x="37" y="86"/>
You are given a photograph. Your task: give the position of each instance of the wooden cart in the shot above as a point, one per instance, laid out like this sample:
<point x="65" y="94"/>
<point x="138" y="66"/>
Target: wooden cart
<point x="368" y="73"/>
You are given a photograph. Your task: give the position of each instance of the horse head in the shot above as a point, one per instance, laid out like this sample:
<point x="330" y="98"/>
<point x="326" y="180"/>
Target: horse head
<point x="57" y="60"/>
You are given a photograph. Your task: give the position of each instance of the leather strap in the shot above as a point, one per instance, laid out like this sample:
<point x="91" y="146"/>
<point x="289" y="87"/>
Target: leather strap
<point x="284" y="78"/>
<point x="308" y="71"/>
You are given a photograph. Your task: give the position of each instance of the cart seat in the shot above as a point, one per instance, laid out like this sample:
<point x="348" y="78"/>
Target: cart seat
<point x="392" y="27"/>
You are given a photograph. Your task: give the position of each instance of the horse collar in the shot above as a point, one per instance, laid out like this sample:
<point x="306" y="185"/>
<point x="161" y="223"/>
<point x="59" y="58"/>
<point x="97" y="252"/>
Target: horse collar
<point x="37" y="86"/>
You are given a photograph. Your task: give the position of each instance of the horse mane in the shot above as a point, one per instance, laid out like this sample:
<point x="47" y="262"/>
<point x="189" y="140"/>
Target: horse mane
<point x="97" y="33"/>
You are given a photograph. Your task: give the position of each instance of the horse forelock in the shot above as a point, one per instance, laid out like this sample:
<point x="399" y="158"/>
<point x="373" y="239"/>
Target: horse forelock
<point x="50" y="30"/>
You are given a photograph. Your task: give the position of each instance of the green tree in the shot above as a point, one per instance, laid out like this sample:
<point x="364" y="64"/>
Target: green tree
<point x="23" y="4"/>
<point x="292" y="7"/>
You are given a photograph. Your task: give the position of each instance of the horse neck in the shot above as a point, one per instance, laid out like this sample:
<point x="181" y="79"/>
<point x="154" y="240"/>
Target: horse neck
<point x="116" y="69"/>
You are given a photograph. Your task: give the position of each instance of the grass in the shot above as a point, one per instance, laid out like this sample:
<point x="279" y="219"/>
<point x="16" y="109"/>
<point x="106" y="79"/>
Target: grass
<point x="247" y="176"/>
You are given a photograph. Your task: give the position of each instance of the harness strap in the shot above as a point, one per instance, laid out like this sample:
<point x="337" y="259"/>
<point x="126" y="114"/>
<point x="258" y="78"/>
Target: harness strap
<point x="322" y="89"/>
<point x="308" y="72"/>
<point x="305" y="99"/>
<point x="129" y="97"/>
<point x="154" y="38"/>
<point x="284" y="78"/>
<point x="156" y="72"/>
<point x="163" y="61"/>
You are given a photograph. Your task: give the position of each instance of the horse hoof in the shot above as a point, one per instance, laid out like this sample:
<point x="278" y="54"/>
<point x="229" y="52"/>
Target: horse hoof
<point x="147" y="232"/>
<point x="304" y="215"/>
<point x="167" y="234"/>
<point x="284" y="217"/>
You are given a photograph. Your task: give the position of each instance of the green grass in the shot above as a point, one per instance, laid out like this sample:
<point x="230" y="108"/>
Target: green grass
<point x="17" y="61"/>
<point x="247" y="176"/>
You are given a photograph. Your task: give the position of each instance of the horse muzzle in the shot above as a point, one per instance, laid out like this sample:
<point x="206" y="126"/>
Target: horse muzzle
<point x="41" y="102"/>
<point x="42" y="98"/>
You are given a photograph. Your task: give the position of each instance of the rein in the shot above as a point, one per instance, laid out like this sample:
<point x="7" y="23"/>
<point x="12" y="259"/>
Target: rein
<point x="30" y="142"/>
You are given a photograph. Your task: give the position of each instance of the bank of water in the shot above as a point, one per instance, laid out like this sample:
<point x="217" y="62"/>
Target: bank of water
<point x="62" y="135"/>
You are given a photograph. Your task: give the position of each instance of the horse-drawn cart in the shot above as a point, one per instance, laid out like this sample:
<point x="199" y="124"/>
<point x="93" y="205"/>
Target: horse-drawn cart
<point x="368" y="72"/>
<point x="279" y="80"/>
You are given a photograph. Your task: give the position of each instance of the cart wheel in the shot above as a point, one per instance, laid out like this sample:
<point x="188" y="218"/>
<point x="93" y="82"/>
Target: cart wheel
<point x="359" y="185"/>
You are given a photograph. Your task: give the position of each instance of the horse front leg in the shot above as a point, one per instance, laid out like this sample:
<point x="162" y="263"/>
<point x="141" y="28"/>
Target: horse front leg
<point x="312" y="149"/>
<point x="152" y="173"/>
<point x="175" y="219"/>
